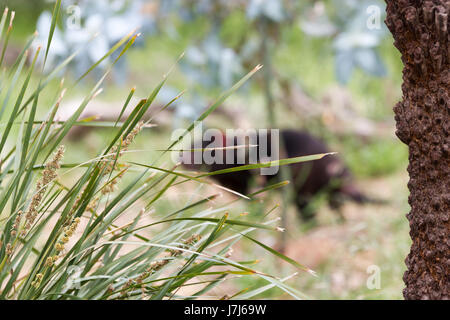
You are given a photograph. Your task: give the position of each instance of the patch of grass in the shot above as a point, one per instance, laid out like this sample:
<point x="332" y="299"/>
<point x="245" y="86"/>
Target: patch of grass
<point x="377" y="158"/>
<point x="27" y="13"/>
<point x="87" y="229"/>
<point x="307" y="60"/>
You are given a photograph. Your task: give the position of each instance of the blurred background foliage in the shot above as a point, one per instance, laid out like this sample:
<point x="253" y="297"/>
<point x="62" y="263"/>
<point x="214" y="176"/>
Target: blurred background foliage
<point x="329" y="68"/>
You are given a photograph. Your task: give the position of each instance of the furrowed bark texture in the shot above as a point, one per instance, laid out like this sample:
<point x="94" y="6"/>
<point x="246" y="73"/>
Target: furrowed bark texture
<point x="420" y="29"/>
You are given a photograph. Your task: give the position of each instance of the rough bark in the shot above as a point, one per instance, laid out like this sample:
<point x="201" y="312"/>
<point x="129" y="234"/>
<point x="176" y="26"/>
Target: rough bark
<point x="420" y="29"/>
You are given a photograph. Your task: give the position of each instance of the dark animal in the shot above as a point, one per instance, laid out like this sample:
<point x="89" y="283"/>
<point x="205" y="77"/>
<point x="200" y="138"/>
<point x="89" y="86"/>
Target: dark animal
<point x="328" y="175"/>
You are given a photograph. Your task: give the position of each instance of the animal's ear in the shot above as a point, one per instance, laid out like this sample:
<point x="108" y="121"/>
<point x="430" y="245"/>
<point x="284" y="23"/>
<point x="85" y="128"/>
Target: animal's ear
<point x="335" y="168"/>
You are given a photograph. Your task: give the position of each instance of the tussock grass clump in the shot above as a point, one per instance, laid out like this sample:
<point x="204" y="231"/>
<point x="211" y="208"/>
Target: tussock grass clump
<point x="62" y="240"/>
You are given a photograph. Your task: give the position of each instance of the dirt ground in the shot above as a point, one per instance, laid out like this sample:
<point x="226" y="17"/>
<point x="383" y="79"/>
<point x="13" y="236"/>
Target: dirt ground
<point x="348" y="257"/>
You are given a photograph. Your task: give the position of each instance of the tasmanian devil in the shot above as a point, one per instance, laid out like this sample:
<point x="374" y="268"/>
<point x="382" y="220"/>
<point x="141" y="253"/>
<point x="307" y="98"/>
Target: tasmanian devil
<point x="328" y="175"/>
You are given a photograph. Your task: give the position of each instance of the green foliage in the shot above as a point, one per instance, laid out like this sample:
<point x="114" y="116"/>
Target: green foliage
<point x="86" y="230"/>
<point x="25" y="22"/>
<point x="377" y="158"/>
<point x="308" y="60"/>
<point x="234" y="29"/>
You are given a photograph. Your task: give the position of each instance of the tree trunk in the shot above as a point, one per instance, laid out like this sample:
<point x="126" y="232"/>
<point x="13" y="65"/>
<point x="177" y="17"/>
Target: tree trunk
<point x="420" y="29"/>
